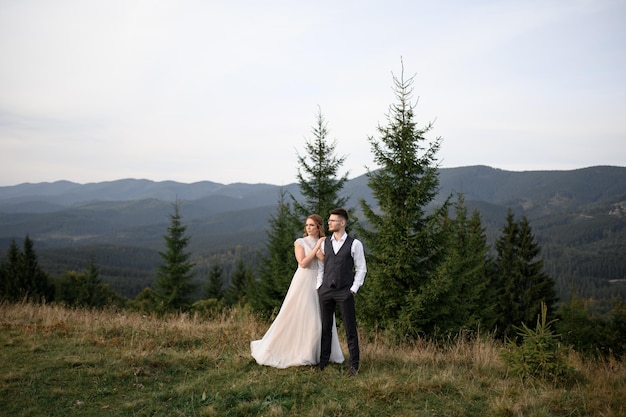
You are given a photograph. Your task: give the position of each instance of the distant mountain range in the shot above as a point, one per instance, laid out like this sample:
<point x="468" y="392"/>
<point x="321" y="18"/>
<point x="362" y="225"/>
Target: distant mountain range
<point x="578" y="216"/>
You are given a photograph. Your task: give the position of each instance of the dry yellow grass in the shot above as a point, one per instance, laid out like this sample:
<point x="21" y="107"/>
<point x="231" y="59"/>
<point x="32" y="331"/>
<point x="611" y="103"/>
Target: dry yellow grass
<point x="91" y="362"/>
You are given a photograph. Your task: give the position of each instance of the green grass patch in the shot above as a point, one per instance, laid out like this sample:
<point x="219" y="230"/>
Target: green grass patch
<point x="64" y="362"/>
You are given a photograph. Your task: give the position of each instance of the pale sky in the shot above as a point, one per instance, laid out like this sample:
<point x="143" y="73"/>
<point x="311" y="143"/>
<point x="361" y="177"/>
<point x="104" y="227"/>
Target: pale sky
<point x="228" y="91"/>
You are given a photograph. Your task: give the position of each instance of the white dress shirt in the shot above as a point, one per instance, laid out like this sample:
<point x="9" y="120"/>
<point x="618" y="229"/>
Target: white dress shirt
<point x="358" y="256"/>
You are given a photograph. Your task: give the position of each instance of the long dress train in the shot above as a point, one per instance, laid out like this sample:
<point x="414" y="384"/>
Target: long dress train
<point x="293" y="339"/>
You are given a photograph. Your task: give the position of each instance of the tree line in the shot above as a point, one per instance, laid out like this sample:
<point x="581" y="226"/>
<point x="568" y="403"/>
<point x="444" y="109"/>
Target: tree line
<point x="431" y="272"/>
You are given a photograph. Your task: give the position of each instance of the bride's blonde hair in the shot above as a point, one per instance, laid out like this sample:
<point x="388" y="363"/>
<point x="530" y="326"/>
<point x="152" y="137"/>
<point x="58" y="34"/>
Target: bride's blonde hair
<point x="318" y="221"/>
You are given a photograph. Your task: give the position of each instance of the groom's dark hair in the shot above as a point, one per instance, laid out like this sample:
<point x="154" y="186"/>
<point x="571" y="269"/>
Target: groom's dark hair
<point x="340" y="212"/>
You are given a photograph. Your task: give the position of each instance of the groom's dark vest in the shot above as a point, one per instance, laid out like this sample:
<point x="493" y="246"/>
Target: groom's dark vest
<point x="338" y="267"/>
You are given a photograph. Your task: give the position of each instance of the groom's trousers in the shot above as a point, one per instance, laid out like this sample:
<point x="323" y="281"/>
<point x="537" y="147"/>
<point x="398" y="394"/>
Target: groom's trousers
<point x="329" y="299"/>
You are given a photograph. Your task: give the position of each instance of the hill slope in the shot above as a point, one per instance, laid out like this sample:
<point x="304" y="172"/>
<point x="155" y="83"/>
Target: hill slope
<point x="578" y="217"/>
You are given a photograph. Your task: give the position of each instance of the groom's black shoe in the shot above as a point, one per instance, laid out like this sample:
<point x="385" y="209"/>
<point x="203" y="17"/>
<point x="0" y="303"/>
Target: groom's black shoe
<point x="320" y="366"/>
<point x="353" y="371"/>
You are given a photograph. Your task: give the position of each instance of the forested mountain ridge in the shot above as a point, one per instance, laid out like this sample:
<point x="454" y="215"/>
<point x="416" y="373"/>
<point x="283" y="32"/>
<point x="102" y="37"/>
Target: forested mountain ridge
<point x="578" y="216"/>
<point x="528" y="189"/>
<point x="59" y="195"/>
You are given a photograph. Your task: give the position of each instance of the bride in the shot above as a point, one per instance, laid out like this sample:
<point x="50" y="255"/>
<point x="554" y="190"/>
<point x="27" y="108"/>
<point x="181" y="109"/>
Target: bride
<point x="294" y="337"/>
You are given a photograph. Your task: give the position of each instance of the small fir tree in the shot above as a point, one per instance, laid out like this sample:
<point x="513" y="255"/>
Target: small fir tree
<point x="35" y="279"/>
<point x="240" y="282"/>
<point x="617" y="331"/>
<point x="21" y="276"/>
<point x="578" y="329"/>
<point x="538" y="353"/>
<point x="145" y="302"/>
<point x="173" y="281"/>
<point x="95" y="294"/>
<point x="83" y="289"/>
<point x="215" y="286"/>
<point x="9" y="270"/>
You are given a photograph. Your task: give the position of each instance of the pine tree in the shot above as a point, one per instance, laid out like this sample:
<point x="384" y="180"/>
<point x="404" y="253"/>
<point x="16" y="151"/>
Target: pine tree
<point x="35" y="280"/>
<point x="10" y="274"/>
<point x="522" y="284"/>
<point x="318" y="180"/>
<point x="480" y="281"/>
<point x="22" y="278"/>
<point x="458" y="296"/>
<point x="97" y="294"/>
<point x="215" y="286"/>
<point x="68" y="288"/>
<point x="404" y="242"/>
<point x="538" y="287"/>
<point x="173" y="282"/>
<point x="85" y="289"/>
<point x="278" y="266"/>
<point x="577" y="327"/>
<point x="538" y="352"/>
<point x="146" y="301"/>
<point x="240" y="282"/>
<point x="507" y="274"/>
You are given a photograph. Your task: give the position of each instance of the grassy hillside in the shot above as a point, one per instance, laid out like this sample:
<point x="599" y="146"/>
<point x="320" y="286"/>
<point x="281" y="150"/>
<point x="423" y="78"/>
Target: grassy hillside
<point x="61" y="362"/>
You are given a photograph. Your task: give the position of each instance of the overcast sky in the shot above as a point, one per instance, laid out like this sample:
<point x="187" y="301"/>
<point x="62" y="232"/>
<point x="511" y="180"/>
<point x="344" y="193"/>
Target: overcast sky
<point x="228" y="91"/>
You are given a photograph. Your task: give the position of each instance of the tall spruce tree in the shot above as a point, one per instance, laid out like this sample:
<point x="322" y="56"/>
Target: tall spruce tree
<point x="480" y="280"/>
<point x="173" y="280"/>
<point x="278" y="265"/>
<point x="459" y="296"/>
<point x="507" y="275"/>
<point x="318" y="178"/>
<point x="403" y="240"/>
<point x="522" y="284"/>
<point x="538" y="286"/>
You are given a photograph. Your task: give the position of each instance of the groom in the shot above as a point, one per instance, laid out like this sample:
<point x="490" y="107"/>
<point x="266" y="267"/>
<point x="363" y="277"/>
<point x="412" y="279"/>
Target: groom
<point x="344" y="272"/>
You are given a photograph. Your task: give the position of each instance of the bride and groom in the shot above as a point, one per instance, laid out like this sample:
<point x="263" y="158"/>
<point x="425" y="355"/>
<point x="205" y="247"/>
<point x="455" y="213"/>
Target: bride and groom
<point x="330" y="272"/>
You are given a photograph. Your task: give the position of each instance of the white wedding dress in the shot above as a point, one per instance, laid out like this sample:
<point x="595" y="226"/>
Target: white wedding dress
<point x="294" y="337"/>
